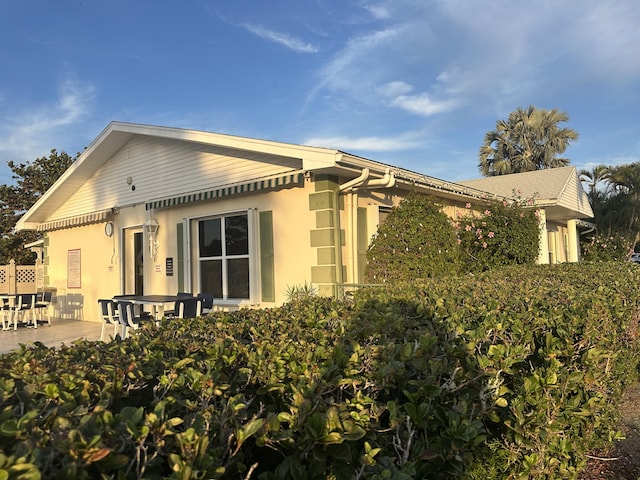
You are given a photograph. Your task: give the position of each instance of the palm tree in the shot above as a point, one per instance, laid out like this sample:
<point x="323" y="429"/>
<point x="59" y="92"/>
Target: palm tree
<point x="529" y="140"/>
<point x="594" y="177"/>
<point x="626" y="181"/>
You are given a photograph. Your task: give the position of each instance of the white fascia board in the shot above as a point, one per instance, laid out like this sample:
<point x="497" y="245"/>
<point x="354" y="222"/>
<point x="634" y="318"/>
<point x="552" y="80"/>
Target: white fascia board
<point x="20" y="225"/>
<point x="312" y="157"/>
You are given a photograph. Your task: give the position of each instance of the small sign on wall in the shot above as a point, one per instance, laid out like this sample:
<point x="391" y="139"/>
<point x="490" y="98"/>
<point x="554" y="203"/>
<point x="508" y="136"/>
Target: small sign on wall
<point x="169" y="266"/>
<point x="74" y="279"/>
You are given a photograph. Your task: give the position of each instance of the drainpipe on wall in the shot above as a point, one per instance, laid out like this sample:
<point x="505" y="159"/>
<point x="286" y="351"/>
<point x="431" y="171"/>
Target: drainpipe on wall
<point x="351" y="206"/>
<point x="336" y="222"/>
<point x="387" y="181"/>
<point x="351" y="184"/>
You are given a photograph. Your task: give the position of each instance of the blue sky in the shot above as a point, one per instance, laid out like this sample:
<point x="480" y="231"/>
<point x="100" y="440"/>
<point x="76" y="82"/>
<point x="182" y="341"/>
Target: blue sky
<point x="413" y="83"/>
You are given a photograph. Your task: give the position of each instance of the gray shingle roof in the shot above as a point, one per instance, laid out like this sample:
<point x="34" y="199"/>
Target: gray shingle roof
<point x="559" y="187"/>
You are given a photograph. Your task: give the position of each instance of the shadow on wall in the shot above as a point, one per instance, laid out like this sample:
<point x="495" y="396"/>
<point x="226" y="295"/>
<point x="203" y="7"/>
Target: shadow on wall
<point x="69" y="306"/>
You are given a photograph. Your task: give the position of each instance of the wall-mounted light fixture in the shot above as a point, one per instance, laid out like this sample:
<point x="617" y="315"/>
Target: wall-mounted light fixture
<point x="150" y="228"/>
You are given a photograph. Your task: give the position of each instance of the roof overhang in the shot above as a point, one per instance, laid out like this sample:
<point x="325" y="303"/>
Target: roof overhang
<point x="314" y="160"/>
<point x="116" y="135"/>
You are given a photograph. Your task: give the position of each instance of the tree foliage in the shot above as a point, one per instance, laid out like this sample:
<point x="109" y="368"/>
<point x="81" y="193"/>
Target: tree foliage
<point x="530" y="139"/>
<point x="416" y="240"/>
<point x="614" y="194"/>
<point x="32" y="180"/>
<point x="595" y="178"/>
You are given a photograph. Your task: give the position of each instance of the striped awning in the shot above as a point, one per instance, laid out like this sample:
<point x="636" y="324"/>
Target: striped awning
<point x="289" y="179"/>
<point x="76" y="221"/>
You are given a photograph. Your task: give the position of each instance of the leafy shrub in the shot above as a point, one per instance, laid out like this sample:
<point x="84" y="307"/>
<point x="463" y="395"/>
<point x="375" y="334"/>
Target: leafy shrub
<point x="300" y="292"/>
<point x="489" y="376"/>
<point x="557" y="344"/>
<point x="603" y="248"/>
<point x="503" y="234"/>
<point x="416" y="240"/>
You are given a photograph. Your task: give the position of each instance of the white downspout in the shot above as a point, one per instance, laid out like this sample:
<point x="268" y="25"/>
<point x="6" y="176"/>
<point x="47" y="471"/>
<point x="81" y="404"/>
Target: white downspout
<point x="351" y="208"/>
<point x="387" y="181"/>
<point x="351" y="184"/>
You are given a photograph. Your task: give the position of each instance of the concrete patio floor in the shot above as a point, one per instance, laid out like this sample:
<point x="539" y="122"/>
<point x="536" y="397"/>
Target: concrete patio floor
<point x="61" y="331"/>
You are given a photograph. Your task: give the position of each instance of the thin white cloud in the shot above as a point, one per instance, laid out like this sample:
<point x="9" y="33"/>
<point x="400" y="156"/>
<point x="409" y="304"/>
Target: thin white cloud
<point x="345" y="72"/>
<point x="606" y="38"/>
<point x="553" y="46"/>
<point x="282" y="38"/>
<point x="368" y="144"/>
<point x="442" y="54"/>
<point x="423" y="104"/>
<point x="418" y="104"/>
<point x="378" y="10"/>
<point x="395" y="89"/>
<point x="610" y="161"/>
<point x="31" y="133"/>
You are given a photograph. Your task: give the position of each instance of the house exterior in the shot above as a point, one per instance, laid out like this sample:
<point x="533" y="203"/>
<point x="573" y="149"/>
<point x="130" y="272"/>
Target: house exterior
<point x="157" y="210"/>
<point x="562" y="202"/>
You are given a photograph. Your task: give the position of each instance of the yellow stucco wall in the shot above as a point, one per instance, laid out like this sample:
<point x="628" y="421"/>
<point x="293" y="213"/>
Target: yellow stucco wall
<point x="98" y="276"/>
<point x="102" y="257"/>
<point x="301" y="223"/>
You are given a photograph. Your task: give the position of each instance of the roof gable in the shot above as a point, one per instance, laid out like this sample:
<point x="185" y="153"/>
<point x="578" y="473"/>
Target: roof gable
<point x="552" y="187"/>
<point x="168" y="165"/>
<point x="217" y="148"/>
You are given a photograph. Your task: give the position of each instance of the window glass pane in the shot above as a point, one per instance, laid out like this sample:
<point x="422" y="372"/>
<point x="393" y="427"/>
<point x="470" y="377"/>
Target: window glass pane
<point x="238" y="277"/>
<point x="237" y="235"/>
<point x="383" y="213"/>
<point x="210" y="238"/>
<point x="211" y="277"/>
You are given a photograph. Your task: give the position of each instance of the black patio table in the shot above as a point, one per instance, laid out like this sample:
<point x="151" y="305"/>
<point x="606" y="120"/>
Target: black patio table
<point x="156" y="301"/>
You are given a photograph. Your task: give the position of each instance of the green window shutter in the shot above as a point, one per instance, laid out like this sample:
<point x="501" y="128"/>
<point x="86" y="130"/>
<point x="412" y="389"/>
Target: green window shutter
<point x="267" y="270"/>
<point x="363" y="243"/>
<point x="180" y="256"/>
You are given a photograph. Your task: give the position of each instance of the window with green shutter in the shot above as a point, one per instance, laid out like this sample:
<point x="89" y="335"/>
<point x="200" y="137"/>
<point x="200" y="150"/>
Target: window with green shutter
<point x="180" y="259"/>
<point x="267" y="269"/>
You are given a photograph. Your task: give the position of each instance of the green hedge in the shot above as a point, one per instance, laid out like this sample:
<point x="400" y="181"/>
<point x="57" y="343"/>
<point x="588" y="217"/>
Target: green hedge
<point x="512" y="374"/>
<point x="556" y="346"/>
<point x="416" y="240"/>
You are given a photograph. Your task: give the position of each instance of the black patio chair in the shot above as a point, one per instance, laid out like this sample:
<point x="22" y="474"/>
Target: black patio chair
<point x="109" y="314"/>
<point x="174" y="313"/>
<point x="187" y="307"/>
<point x="43" y="300"/>
<point x="23" y="306"/>
<point x="207" y="302"/>
<point x="129" y="319"/>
